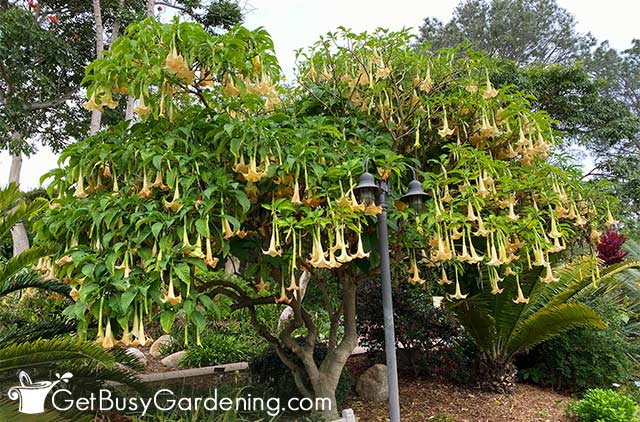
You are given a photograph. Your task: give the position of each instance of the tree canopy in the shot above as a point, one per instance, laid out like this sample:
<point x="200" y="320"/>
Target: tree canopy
<point x="226" y="164"/>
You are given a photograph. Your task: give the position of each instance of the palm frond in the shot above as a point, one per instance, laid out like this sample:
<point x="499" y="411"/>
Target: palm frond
<point x="44" y="353"/>
<point x="8" y="197"/>
<point x="549" y="322"/>
<point x="23" y="211"/>
<point x="476" y="320"/>
<point x="31" y="279"/>
<point x="9" y="412"/>
<point x="19" y="333"/>
<point x="581" y="280"/>
<point x="21" y="261"/>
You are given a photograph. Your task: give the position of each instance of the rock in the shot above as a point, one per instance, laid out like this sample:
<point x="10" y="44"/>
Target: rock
<point x="173" y="360"/>
<point x="136" y="353"/>
<point x="373" y="384"/>
<point x="163" y="341"/>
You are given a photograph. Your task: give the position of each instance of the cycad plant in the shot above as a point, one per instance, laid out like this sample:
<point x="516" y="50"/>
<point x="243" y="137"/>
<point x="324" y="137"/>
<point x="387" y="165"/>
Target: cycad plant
<point x="40" y="348"/>
<point x="503" y="326"/>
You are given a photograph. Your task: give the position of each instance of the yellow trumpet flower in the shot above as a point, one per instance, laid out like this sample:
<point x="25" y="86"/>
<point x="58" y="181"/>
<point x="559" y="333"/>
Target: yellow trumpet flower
<point x="226" y="229"/>
<point x="170" y="295"/>
<point x="445" y="130"/>
<point x="548" y="278"/>
<point x="520" y="298"/>
<point x="145" y="192"/>
<point x="92" y="105"/>
<point x="175" y="204"/>
<point x="158" y="182"/>
<point x="489" y="91"/>
<point x="108" y="342"/>
<point x="458" y="294"/>
<point x="274" y="246"/>
<point x="209" y="259"/>
<point x="262" y="286"/>
<point x="464" y="256"/>
<point x="444" y="279"/>
<point x="79" y="192"/>
<point x="360" y="253"/>
<point x="141" y="109"/>
<point x="293" y="285"/>
<point x="610" y="220"/>
<point x="283" y="296"/>
<point x="295" y="199"/>
<point x="196" y="252"/>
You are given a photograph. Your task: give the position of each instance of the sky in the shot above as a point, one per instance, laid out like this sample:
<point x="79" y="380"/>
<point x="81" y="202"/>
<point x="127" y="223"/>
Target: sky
<point x="295" y="24"/>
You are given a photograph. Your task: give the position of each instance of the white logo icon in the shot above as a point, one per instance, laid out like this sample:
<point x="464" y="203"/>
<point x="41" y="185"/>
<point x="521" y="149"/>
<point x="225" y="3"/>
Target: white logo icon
<point x="32" y="395"/>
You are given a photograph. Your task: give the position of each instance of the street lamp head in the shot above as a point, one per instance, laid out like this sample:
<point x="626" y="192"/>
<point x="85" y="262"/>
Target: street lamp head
<point x="415" y="195"/>
<point x="367" y="190"/>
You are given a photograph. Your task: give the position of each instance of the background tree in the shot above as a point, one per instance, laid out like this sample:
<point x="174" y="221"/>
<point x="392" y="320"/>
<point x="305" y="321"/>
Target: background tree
<point x="44" y="48"/>
<point x="525" y="31"/>
<point x="594" y="98"/>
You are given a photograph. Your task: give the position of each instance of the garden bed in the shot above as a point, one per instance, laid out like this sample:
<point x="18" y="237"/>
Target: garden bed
<point x="422" y="400"/>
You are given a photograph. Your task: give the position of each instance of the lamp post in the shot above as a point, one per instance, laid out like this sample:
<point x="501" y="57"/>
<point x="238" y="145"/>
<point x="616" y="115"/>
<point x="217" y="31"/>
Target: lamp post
<point x="371" y="191"/>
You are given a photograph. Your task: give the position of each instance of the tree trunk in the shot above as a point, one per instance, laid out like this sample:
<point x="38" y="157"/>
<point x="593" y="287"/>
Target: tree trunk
<point x="18" y="232"/>
<point x="495" y="375"/>
<point x="96" y="116"/>
<point x="150" y="5"/>
<point x="324" y="381"/>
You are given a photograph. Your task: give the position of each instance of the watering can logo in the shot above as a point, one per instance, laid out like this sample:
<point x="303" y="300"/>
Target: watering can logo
<point x="32" y="395"/>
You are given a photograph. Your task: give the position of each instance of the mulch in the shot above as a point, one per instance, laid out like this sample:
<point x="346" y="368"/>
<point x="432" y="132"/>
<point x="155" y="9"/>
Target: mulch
<point x="426" y="399"/>
<point x="422" y="400"/>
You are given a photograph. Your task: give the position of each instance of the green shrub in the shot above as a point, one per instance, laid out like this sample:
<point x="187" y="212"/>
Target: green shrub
<point x="584" y="357"/>
<point x="227" y="345"/>
<point x="267" y="369"/>
<point x="600" y="405"/>
<point x="431" y="338"/>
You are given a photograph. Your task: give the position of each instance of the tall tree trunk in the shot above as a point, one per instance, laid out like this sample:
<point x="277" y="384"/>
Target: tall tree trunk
<point x="18" y="232"/>
<point x="96" y="116"/>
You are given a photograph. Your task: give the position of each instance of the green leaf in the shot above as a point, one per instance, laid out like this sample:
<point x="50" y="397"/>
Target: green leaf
<point x="183" y="272"/>
<point x="198" y="320"/>
<point x="167" y="319"/>
<point x="156" y="228"/>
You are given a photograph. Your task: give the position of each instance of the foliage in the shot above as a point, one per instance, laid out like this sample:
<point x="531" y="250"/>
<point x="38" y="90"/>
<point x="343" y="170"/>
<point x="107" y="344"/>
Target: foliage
<point x="502" y="328"/>
<point x="38" y="346"/>
<point x="515" y="29"/>
<point x="431" y="337"/>
<point x="224" y="345"/>
<point x="610" y="247"/>
<point x="585" y="357"/>
<point x="268" y="370"/>
<point x="263" y="174"/>
<point x="599" y="405"/>
<point x="595" y="101"/>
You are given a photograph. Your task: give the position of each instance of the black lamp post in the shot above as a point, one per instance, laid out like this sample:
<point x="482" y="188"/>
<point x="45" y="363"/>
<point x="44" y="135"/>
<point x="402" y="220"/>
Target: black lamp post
<point x="370" y="191"/>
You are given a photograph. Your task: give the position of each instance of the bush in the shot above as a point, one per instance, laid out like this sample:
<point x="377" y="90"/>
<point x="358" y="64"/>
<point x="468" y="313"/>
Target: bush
<point x="584" y="357"/>
<point x="430" y="338"/>
<point x="267" y="369"/>
<point x="603" y="406"/>
<point x="223" y="342"/>
<point x="219" y="348"/>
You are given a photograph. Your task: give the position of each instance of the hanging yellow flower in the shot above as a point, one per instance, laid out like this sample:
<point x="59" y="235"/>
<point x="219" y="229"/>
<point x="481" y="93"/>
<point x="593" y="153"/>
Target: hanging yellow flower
<point x="92" y="105"/>
<point x="520" y="298"/>
<point x="141" y="109"/>
<point x="170" y="295"/>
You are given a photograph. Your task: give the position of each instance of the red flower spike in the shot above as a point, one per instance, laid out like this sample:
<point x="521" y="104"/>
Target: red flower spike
<point x="53" y="19"/>
<point x="608" y="248"/>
